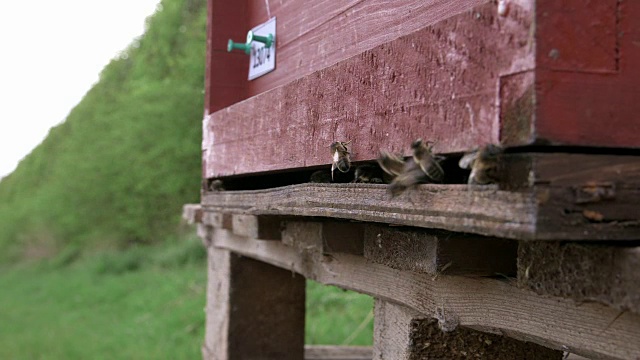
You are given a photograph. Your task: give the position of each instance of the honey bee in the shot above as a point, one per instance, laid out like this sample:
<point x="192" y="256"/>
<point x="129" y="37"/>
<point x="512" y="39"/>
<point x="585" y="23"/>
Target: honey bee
<point x="368" y="173"/>
<point x="216" y="185"/>
<point x="423" y="156"/>
<point x="422" y="167"/>
<point x="483" y="163"/>
<point x="391" y="164"/>
<point x="340" y="157"/>
<point x="320" y="176"/>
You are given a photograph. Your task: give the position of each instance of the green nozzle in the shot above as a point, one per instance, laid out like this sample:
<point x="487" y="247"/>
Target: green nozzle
<point x="239" y="46"/>
<point x="266" y="40"/>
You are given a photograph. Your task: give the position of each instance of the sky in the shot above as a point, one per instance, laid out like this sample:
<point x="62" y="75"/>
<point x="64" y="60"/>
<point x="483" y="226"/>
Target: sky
<point x="51" y="53"/>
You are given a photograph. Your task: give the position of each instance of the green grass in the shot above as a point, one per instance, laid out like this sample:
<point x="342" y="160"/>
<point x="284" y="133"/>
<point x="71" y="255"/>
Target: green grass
<point x="143" y="303"/>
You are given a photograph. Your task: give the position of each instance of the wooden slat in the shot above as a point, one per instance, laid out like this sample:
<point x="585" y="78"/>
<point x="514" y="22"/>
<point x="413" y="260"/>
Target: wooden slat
<point x="440" y="252"/>
<point x="426" y="84"/>
<point x="314" y="35"/>
<point x="254" y="310"/>
<point x="452" y="207"/>
<point x="332" y="352"/>
<point x="591" y="330"/>
<point x="587" y="84"/>
<point x="256" y="227"/>
<point x="545" y="213"/>
<point x="582" y="272"/>
<point x="403" y="334"/>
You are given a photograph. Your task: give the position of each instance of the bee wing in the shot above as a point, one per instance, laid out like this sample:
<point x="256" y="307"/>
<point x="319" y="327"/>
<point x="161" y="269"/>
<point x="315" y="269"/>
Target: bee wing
<point x="390" y="163"/>
<point x="466" y="162"/>
<point x="429" y="166"/>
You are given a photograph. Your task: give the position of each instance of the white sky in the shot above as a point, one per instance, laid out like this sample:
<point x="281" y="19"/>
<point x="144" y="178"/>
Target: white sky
<point x="51" y="53"/>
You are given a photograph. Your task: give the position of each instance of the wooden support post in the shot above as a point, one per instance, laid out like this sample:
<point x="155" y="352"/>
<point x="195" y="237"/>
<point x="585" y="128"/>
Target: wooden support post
<point x="582" y="272"/>
<point x="403" y="334"/>
<point x="435" y="252"/>
<point x="254" y="310"/>
<point x="257" y="227"/>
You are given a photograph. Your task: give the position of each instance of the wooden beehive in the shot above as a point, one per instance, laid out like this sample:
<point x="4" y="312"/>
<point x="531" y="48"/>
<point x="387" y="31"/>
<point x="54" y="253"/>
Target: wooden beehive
<point x="460" y="73"/>
<point x="556" y="83"/>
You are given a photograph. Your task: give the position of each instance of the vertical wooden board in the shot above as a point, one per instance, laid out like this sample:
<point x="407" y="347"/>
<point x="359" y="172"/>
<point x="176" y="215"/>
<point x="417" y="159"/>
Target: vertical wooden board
<point x="593" y="103"/>
<point x="391" y="331"/>
<point x="254" y="310"/>
<point x="440" y="83"/>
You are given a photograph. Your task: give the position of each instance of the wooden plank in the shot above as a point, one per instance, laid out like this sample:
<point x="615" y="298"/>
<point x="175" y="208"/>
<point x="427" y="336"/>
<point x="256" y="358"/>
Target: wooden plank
<point x="192" y="213"/>
<point x="332" y="352"/>
<point x="428" y="84"/>
<point x="257" y="227"/>
<point x="491" y="305"/>
<point x="483" y="304"/>
<point x="587" y="84"/>
<point x="582" y="272"/>
<point x="312" y="36"/>
<point x="254" y="310"/>
<point x="440" y="252"/>
<point x="402" y="334"/>
<point x="545" y="213"/>
<point x="452" y="207"/>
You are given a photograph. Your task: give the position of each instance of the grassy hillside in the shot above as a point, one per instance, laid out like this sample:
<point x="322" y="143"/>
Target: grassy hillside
<point x="118" y="170"/>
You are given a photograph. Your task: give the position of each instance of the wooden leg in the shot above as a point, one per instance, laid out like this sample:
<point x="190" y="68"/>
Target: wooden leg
<point x="403" y="334"/>
<point x="254" y="310"/>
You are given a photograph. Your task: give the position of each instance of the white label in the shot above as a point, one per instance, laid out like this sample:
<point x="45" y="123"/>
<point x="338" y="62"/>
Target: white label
<point x="263" y="59"/>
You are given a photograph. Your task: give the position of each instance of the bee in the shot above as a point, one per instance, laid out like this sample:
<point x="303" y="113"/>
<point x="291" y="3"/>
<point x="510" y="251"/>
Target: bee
<point x="391" y="164"/>
<point x="430" y="164"/>
<point x="483" y="163"/>
<point x="216" y="185"/>
<point x="320" y="176"/>
<point x="368" y="173"/>
<point x="340" y="157"/>
<point x="422" y="167"/>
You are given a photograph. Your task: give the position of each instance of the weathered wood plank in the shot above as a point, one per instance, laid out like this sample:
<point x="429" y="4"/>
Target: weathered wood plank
<point x="192" y="213"/>
<point x="254" y="310"/>
<point x="452" y="207"/>
<point x="402" y="334"/>
<point x="429" y="84"/>
<point x="582" y="272"/>
<point x="440" y="252"/>
<point x="332" y="352"/>
<point x="257" y="227"/>
<point x="546" y="213"/>
<point x="491" y="305"/>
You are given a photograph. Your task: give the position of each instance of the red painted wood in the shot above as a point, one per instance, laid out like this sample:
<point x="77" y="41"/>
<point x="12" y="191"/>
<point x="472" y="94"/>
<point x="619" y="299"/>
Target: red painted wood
<point x="440" y="83"/>
<point x="315" y="34"/>
<point x="588" y="103"/>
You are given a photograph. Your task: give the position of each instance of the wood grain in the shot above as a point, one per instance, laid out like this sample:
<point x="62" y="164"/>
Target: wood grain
<point x="591" y="330"/>
<point x="439" y="83"/>
<point x="440" y="252"/>
<point x="582" y="272"/>
<point x="587" y="82"/>
<point x="401" y="333"/>
<point x="542" y="213"/>
<point x="312" y="36"/>
<point x="254" y="310"/>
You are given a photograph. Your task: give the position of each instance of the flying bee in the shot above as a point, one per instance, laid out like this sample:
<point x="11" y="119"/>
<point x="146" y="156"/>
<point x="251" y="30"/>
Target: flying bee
<point x="340" y="157"/>
<point x="368" y="173"/>
<point x="429" y="163"/>
<point x="483" y="163"/>
<point x="391" y="164"/>
<point x="422" y="167"/>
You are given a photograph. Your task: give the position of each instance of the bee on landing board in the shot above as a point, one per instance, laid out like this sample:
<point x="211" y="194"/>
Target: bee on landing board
<point x="483" y="163"/>
<point x="368" y="173"/>
<point x="422" y="167"/>
<point x="429" y="163"/>
<point x="340" y="157"/>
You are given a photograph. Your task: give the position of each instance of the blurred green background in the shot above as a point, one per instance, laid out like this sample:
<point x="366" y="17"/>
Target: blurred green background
<point x="94" y="261"/>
